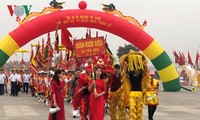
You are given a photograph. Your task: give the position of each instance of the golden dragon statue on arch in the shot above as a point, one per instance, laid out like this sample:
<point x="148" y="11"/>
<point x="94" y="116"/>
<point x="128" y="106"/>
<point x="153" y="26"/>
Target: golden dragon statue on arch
<point x="55" y="6"/>
<point x="111" y="9"/>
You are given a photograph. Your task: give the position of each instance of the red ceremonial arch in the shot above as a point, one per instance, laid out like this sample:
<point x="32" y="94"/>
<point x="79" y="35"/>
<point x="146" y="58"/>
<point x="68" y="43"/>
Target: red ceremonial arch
<point x="93" y="19"/>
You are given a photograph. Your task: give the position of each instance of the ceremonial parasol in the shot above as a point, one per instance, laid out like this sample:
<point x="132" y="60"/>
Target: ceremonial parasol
<point x="22" y="51"/>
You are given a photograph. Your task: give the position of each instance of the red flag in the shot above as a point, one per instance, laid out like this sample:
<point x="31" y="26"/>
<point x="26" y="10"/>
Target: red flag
<point x="184" y="58"/>
<point x="65" y="35"/>
<point x="48" y="48"/>
<point x="37" y="51"/>
<point x="42" y="45"/>
<point x="61" y="57"/>
<point x="31" y="56"/>
<point x="197" y="58"/>
<point x="68" y="55"/>
<point x="56" y="43"/>
<point x="15" y="65"/>
<point x="22" y="62"/>
<point x="32" y="60"/>
<point x="190" y="59"/>
<point x="177" y="58"/>
<point x="109" y="52"/>
<point x="33" y="70"/>
<point x="38" y="56"/>
<point x="50" y="51"/>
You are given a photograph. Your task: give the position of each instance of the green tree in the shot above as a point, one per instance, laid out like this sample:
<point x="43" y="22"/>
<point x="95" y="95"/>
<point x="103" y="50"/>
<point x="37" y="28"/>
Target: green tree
<point x="124" y="50"/>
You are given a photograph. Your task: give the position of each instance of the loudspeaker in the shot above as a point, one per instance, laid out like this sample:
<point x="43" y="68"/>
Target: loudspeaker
<point x="54" y="110"/>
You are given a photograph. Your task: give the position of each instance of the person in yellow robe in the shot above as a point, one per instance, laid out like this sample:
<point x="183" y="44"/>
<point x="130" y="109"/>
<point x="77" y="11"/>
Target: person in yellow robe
<point x="152" y="96"/>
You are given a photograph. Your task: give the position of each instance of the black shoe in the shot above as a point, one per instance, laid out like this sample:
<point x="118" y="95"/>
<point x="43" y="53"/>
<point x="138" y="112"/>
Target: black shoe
<point x="74" y="116"/>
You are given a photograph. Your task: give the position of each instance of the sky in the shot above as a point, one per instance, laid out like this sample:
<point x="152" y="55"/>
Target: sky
<point x="173" y="23"/>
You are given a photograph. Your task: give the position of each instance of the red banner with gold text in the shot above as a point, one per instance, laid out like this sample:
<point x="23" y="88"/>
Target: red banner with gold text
<point x="89" y="47"/>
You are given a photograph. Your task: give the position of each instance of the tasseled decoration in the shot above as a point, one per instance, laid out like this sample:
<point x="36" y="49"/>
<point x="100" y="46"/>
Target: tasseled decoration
<point x="135" y="62"/>
<point x="130" y="62"/>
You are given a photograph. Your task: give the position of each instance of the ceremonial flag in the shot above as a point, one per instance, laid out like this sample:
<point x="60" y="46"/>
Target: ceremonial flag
<point x="56" y="43"/>
<point x="190" y="59"/>
<point x="108" y="51"/>
<point x="38" y="56"/>
<point x="47" y="47"/>
<point x="182" y="61"/>
<point x="22" y="63"/>
<point x="197" y="58"/>
<point x="32" y="60"/>
<point x="46" y="52"/>
<point x="177" y="58"/>
<point x="68" y="54"/>
<point x="65" y="36"/>
<point x="61" y="57"/>
<point x="33" y="70"/>
<point x="42" y="45"/>
<point x="15" y="64"/>
<point x="184" y="58"/>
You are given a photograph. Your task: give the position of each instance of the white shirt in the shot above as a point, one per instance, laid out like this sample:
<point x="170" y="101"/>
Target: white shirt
<point x="2" y="77"/>
<point x="46" y="82"/>
<point x="27" y="78"/>
<point x="19" y="78"/>
<point x="13" y="77"/>
<point x="68" y="80"/>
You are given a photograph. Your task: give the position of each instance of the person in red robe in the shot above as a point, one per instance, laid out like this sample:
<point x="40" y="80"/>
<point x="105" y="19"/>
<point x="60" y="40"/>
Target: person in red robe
<point x="81" y="97"/>
<point x="97" y="89"/>
<point x="57" y="91"/>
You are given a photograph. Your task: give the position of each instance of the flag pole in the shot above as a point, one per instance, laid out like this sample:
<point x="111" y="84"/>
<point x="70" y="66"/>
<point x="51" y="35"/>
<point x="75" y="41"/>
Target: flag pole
<point x="93" y="74"/>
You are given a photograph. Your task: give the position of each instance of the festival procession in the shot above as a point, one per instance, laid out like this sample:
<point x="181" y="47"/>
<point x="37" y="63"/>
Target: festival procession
<point x="83" y="72"/>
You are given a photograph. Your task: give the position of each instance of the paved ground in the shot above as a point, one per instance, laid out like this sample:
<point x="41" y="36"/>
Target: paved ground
<point x="181" y="105"/>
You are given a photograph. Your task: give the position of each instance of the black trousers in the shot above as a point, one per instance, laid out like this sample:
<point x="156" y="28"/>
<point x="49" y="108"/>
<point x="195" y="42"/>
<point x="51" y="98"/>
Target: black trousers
<point x="151" y="111"/>
<point x="14" y="88"/>
<point x="26" y="87"/>
<point x="1" y="89"/>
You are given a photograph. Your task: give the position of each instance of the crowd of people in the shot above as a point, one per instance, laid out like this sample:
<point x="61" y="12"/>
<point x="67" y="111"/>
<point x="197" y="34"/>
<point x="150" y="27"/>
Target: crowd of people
<point x="121" y="91"/>
<point x="18" y="79"/>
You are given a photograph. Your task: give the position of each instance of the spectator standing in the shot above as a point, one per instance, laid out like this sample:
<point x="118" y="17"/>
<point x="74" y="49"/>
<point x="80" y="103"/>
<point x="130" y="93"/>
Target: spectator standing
<point x="57" y="91"/>
<point x="26" y="80"/>
<point x="2" y="79"/>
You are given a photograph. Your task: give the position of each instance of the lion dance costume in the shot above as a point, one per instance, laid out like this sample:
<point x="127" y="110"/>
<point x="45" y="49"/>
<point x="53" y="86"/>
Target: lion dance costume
<point x="135" y="78"/>
<point x="116" y="108"/>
